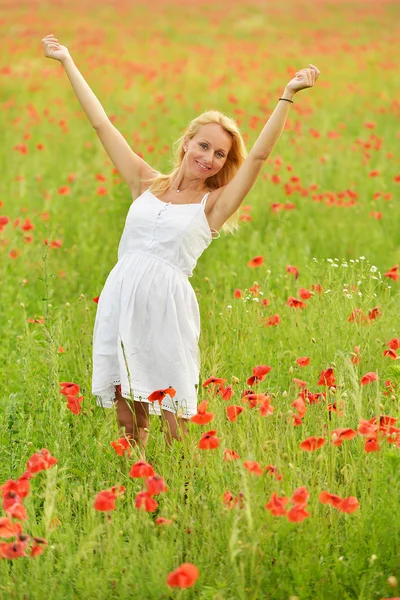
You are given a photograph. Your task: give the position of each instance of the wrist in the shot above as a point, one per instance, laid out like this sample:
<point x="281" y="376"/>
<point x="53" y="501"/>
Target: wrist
<point x="66" y="60"/>
<point x="288" y="94"/>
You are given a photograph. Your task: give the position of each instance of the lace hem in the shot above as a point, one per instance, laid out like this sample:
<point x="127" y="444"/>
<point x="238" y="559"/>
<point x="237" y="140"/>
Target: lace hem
<point x="106" y="395"/>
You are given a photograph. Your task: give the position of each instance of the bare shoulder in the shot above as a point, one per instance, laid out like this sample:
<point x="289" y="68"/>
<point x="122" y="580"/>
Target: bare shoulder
<point x="143" y="184"/>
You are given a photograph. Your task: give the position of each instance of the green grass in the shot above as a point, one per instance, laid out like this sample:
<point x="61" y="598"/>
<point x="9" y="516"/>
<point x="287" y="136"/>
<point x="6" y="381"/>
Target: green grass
<point x="130" y="56"/>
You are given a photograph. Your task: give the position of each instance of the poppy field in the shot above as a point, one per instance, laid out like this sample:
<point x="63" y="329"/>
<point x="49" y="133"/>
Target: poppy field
<point x="287" y="486"/>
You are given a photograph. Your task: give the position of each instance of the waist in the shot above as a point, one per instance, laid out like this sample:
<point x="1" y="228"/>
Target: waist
<point x="155" y="257"/>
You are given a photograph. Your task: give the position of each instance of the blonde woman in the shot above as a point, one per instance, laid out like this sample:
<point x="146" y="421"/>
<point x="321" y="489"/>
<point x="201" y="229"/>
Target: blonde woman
<point x="147" y="328"/>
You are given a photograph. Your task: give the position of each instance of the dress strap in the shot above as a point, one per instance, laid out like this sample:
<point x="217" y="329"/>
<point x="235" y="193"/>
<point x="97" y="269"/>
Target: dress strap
<point x="204" y="199"/>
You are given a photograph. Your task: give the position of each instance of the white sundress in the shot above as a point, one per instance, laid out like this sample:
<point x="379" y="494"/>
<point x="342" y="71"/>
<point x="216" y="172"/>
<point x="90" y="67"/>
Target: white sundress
<point x="147" y="323"/>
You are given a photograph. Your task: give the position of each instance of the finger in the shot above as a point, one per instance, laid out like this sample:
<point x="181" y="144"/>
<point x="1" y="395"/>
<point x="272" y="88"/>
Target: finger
<point x="317" y="71"/>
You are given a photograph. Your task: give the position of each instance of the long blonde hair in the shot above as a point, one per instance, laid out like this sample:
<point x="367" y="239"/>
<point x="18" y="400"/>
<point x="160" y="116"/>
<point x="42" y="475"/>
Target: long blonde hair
<point x="236" y="157"/>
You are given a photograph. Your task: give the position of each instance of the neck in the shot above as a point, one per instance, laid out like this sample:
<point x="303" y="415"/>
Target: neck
<point x="183" y="183"/>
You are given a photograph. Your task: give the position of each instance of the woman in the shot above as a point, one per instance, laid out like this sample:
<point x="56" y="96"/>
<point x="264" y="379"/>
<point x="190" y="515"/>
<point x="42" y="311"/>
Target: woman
<point x="145" y="341"/>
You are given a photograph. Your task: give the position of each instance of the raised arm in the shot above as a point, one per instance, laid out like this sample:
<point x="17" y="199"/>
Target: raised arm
<point x="229" y="198"/>
<point x="132" y="168"/>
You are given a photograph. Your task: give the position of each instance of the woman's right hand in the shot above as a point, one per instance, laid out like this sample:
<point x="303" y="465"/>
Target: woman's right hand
<point x="52" y="49"/>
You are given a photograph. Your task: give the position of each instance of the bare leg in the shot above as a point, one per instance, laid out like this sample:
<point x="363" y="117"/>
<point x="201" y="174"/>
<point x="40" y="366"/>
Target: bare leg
<point x="133" y="420"/>
<point x="174" y="427"/>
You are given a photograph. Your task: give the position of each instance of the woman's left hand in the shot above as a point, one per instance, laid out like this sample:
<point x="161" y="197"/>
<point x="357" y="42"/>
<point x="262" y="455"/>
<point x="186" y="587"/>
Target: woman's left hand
<point x="305" y="78"/>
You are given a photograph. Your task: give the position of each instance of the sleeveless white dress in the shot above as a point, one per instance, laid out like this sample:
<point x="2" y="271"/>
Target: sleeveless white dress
<point x="147" y="323"/>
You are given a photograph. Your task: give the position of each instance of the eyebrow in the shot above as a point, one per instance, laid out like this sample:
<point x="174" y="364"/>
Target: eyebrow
<point x="223" y="149"/>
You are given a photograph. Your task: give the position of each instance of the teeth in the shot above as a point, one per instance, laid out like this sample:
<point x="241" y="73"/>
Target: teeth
<point x="202" y="166"/>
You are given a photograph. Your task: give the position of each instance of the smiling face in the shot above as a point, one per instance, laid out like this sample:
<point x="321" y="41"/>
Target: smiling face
<point x="207" y="151"/>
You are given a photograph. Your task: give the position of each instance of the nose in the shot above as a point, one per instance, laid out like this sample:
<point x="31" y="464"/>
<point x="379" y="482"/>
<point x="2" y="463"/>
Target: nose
<point x="207" y="159"/>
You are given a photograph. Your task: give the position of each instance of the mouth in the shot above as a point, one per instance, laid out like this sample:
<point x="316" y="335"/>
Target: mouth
<point x="202" y="167"/>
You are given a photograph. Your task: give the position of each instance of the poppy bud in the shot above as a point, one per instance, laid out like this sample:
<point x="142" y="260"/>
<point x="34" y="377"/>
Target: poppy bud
<point x="314" y="341"/>
<point x="284" y="394"/>
<point x="235" y="379"/>
<point x="392" y="581"/>
<point x="22" y="305"/>
<point x="332" y="390"/>
<point x="290" y="370"/>
<point x="67" y="304"/>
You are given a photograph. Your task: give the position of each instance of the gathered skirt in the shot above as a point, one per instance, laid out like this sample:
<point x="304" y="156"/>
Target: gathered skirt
<point x="146" y="335"/>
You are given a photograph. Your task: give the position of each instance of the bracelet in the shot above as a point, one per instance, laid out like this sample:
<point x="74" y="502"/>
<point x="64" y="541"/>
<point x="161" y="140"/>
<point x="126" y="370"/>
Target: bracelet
<point x="287" y="100"/>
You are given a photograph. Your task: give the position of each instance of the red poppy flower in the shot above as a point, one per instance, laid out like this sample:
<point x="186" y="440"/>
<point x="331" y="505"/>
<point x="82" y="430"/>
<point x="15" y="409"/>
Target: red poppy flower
<point x="40" y="461"/>
<point x="312" y="443"/>
<point x="163" y="521"/>
<point x="96" y="299"/>
<point x="155" y="485"/>
<point x="27" y="225"/>
<point x="305" y="294"/>
<point x="202" y="417"/>
<point x="367" y="428"/>
<point x="74" y="404"/>
<point x="295" y="303"/>
<point x="121" y="446"/>
<point x="368" y="378"/>
<point x="259" y="374"/>
<point x="272" y="321"/>
<point x="237" y="293"/>
<point x="141" y="469"/>
<point x="297" y="514"/>
<point x="303" y="361"/>
<point x="348" y="505"/>
<point x="12" y="550"/>
<point x="231" y="501"/>
<point x="297" y="421"/>
<point x="338" y="435"/>
<point x="257" y="261"/>
<point x="327" y="378"/>
<point x="145" y="501"/>
<point x="69" y="389"/>
<point x="391" y="353"/>
<point x="253" y="399"/>
<point x="159" y="395"/>
<point x="8" y="528"/>
<point x="209" y="441"/>
<point x="317" y="288"/>
<point x="371" y="445"/>
<point x="233" y="411"/>
<point x="394" y="343"/>
<point x="20" y="487"/>
<point x="266" y="408"/>
<point x="374" y="313"/>
<point x="392" y="273"/>
<point x="226" y="393"/>
<point x="300" y="406"/>
<point x="332" y="499"/>
<point x="230" y="455"/>
<point x="217" y="380"/>
<point x="276" y="505"/>
<point x="273" y="471"/>
<point x="105" y="501"/>
<point x="292" y="270"/>
<point x="301" y="495"/>
<point x="253" y="467"/>
<point x="38" y="547"/>
<point x="184" y="576"/>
